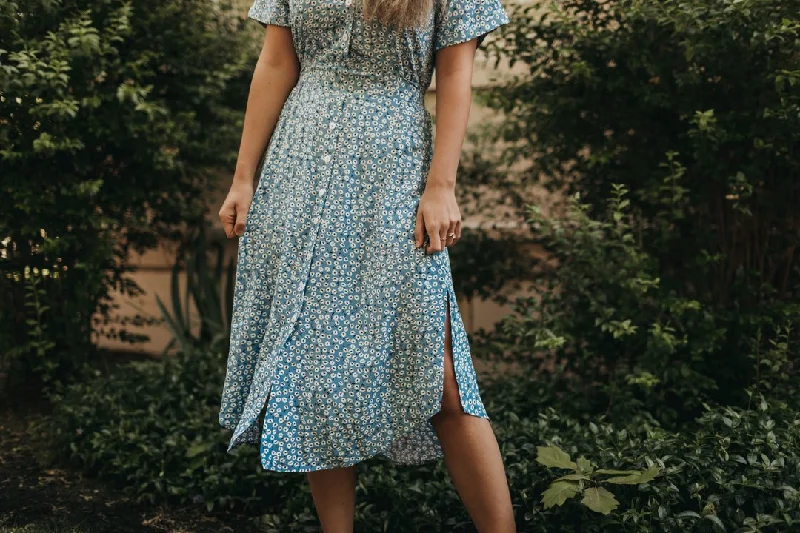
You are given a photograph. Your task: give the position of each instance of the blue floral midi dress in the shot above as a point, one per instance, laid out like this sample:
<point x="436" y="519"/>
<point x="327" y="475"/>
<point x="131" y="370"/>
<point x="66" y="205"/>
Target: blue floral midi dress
<point x="339" y="320"/>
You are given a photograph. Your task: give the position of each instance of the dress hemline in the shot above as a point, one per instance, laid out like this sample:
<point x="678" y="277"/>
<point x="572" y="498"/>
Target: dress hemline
<point x="272" y="466"/>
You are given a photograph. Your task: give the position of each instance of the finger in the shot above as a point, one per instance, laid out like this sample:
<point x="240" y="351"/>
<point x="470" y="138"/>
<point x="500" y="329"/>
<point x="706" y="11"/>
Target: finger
<point x="458" y="230"/>
<point x="228" y="218"/>
<point x="419" y="230"/>
<point x="435" y="244"/>
<point x="451" y="234"/>
<point x="241" y="220"/>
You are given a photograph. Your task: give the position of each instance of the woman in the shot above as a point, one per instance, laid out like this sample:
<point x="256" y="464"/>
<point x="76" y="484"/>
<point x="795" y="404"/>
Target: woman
<point x="344" y="296"/>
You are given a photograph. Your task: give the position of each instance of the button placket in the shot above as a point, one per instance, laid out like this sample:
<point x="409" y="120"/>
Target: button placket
<point x="348" y="32"/>
<point x="319" y="206"/>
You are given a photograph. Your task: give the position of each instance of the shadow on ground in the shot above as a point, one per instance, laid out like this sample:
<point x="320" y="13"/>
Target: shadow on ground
<point x="37" y="499"/>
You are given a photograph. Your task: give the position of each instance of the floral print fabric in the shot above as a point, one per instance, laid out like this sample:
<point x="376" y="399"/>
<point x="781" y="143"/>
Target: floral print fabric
<point x="337" y="335"/>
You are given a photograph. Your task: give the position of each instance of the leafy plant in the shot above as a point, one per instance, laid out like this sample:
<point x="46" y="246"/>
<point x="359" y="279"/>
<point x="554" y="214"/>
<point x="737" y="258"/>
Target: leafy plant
<point x="208" y="288"/>
<point x="605" y="326"/>
<point x="151" y="428"/>
<point x="39" y="343"/>
<point x="114" y="116"/>
<point x="586" y="480"/>
<point x="654" y="299"/>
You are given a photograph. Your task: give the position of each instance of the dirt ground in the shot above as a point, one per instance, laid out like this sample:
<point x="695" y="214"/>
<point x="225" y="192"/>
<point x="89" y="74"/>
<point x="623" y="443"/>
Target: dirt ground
<point x="36" y="499"/>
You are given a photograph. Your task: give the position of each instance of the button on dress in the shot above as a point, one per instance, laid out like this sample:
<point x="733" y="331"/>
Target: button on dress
<point x="338" y="327"/>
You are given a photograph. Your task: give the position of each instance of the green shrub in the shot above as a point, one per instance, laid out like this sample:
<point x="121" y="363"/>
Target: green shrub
<point x="619" y="337"/>
<point x="730" y="468"/>
<point x="152" y="429"/>
<point x="693" y="108"/>
<point x="113" y="116"/>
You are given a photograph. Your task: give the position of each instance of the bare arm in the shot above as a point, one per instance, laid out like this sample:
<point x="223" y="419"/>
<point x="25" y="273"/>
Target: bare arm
<point x="274" y="76"/>
<point x="453" y="101"/>
<point x="438" y="214"/>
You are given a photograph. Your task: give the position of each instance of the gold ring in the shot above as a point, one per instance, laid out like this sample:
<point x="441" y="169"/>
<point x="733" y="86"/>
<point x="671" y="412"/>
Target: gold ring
<point x="451" y="234"/>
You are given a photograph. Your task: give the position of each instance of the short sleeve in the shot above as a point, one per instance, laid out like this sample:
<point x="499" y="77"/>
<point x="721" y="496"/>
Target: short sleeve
<point x="270" y="12"/>
<point x="463" y="20"/>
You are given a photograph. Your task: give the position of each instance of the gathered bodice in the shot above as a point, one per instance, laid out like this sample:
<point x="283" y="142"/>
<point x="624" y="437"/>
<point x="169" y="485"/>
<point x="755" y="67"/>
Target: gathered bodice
<point x="333" y="34"/>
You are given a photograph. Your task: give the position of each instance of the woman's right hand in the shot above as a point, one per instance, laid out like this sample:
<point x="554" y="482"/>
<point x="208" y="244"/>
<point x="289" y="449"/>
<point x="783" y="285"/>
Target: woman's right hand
<point x="233" y="212"/>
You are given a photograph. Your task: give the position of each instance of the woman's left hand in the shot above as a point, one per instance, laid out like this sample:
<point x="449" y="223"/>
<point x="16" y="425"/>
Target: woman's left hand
<point x="438" y="216"/>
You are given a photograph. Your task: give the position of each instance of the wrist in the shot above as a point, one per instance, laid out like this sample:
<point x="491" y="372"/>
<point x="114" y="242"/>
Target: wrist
<point x="441" y="178"/>
<point x="243" y="178"/>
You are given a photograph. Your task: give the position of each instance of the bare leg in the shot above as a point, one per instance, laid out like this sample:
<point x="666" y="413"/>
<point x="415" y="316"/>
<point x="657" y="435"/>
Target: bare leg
<point x="333" y="491"/>
<point x="472" y="456"/>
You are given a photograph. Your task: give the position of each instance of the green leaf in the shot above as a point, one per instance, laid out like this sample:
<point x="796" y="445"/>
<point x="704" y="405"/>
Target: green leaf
<point x="585" y="465"/>
<point x="196" y="449"/>
<point x="574" y="477"/>
<point x="553" y="457"/>
<point x="716" y="521"/>
<point x="649" y="474"/>
<point x="558" y="493"/>
<point x="631" y="479"/>
<point x="614" y="472"/>
<point x="635" y="477"/>
<point x="599" y="500"/>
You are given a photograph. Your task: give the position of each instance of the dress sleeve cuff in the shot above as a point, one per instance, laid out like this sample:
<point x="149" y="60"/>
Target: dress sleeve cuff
<point x="469" y="19"/>
<point x="270" y="12"/>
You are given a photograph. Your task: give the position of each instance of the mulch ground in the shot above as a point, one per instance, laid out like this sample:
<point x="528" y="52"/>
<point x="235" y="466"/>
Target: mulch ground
<point x="38" y="499"/>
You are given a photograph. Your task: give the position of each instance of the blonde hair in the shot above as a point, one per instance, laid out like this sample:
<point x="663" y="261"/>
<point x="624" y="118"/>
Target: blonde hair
<point x="400" y="14"/>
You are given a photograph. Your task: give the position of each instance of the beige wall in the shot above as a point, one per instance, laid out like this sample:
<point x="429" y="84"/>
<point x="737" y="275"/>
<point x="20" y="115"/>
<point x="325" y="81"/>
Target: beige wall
<point x="155" y="266"/>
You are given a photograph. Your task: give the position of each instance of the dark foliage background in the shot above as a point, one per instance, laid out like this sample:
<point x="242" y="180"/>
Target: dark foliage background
<point x="664" y="332"/>
<point x="687" y="116"/>
<point x="114" y="116"/>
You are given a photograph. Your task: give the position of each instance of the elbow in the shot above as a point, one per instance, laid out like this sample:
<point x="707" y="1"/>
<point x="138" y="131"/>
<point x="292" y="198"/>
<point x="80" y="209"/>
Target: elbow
<point x="277" y="68"/>
<point x="278" y="62"/>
